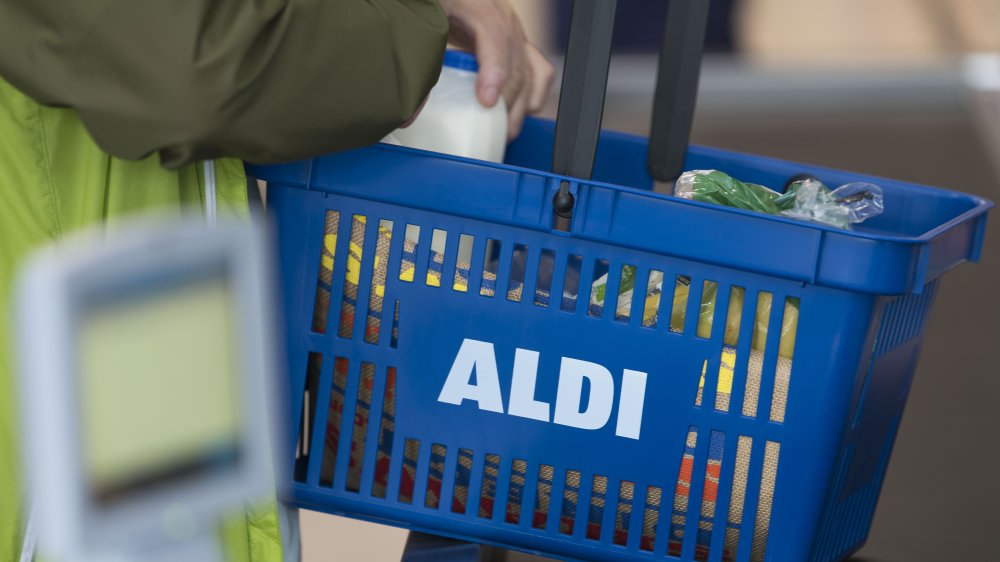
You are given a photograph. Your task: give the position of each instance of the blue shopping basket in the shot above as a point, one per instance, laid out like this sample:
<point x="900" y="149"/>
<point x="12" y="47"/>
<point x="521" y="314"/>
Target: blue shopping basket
<point x="659" y="378"/>
<point x="789" y="466"/>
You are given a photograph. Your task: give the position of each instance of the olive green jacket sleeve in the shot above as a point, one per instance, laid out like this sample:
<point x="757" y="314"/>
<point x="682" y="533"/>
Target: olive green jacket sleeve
<point x="261" y="80"/>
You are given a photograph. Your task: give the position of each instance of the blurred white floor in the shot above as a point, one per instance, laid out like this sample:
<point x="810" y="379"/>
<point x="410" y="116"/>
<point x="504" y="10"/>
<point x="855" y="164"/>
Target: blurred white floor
<point x="328" y="538"/>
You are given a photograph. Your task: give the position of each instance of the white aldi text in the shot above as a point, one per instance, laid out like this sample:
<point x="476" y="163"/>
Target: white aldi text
<point x="479" y="357"/>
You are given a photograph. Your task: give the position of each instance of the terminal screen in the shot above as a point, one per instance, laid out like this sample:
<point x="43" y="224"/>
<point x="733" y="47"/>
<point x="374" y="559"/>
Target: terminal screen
<point x="159" y="393"/>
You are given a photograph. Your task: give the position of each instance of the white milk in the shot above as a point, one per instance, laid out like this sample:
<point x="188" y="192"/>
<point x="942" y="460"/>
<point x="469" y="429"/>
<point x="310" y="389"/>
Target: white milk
<point x="453" y="121"/>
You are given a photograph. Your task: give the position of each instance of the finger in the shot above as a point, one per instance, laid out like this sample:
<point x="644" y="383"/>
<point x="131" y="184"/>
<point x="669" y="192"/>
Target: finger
<point x="493" y="54"/>
<point x="516" y="112"/>
<point x="517" y="84"/>
<point x="542" y="76"/>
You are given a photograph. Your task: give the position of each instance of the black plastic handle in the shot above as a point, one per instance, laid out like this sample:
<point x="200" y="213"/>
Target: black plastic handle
<point x="676" y="87"/>
<point x="581" y="99"/>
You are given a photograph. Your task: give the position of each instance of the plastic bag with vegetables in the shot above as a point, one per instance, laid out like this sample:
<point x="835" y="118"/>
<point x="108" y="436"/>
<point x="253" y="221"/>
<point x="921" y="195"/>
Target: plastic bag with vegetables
<point x="807" y="199"/>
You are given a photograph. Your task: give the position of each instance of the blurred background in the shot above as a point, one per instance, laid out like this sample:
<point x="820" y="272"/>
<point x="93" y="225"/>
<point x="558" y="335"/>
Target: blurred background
<point x="880" y="87"/>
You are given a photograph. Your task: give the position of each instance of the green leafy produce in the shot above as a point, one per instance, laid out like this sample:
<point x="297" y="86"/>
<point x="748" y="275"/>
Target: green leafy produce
<point x="721" y="189"/>
<point x="627" y="284"/>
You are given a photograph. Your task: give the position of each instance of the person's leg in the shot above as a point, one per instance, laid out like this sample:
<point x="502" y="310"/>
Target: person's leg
<point x="425" y="547"/>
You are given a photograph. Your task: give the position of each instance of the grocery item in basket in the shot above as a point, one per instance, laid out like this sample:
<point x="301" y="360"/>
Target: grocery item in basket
<point x="706" y="311"/>
<point x="713" y="186"/>
<point x="706" y="315"/>
<point x="849" y="204"/>
<point x="452" y="120"/>
<point x="807" y="199"/>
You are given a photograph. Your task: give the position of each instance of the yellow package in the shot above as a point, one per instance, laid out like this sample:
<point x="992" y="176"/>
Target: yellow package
<point x="706" y="316"/>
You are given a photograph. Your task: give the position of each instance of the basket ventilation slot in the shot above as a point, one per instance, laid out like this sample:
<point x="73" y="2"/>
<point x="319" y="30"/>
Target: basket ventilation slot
<point x="654" y="299"/>
<point x="626" y="293"/>
<point x="380" y="267"/>
<point x="408" y="475"/>
<point x="488" y="492"/>
<point x="737" y="498"/>
<point x="543" y="282"/>
<point x="386" y="433"/>
<point x="598" y="498"/>
<point x="571" y="499"/>
<point x="334" y="421"/>
<point x="435" y="268"/>
<point x="461" y="280"/>
<point x="682" y="492"/>
<point x="463" y="477"/>
<point x="678" y="313"/>
<point x="651" y="518"/>
<point x="352" y="276"/>
<point x="435" y="476"/>
<point x="491" y="264"/>
<point x="362" y="413"/>
<point x="571" y="284"/>
<point x="411" y="242"/>
<point x="310" y="393"/>
<point x="543" y="496"/>
<point x="324" y="284"/>
<point x="709" y="495"/>
<point x="598" y="288"/>
<point x="518" y="264"/>
<point x="515" y="493"/>
<point x="768" y="480"/>
<point x="623" y="515"/>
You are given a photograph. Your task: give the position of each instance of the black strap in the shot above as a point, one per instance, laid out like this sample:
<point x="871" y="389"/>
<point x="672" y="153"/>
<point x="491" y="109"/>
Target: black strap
<point x="581" y="99"/>
<point x="676" y="87"/>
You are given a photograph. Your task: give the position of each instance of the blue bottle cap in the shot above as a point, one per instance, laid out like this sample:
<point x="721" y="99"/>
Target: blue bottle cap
<point x="461" y="60"/>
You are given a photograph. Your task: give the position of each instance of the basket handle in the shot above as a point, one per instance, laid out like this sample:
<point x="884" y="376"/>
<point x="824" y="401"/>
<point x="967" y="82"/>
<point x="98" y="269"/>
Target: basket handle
<point x="581" y="99"/>
<point x="676" y="87"/>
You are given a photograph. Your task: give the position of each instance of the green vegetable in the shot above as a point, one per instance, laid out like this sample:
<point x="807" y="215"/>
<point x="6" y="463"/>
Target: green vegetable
<point x="627" y="284"/>
<point x="720" y="188"/>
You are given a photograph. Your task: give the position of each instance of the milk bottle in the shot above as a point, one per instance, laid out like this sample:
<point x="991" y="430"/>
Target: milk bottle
<point x="452" y="120"/>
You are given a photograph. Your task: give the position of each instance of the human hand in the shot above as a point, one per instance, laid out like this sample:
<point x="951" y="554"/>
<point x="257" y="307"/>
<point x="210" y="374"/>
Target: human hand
<point x="509" y="65"/>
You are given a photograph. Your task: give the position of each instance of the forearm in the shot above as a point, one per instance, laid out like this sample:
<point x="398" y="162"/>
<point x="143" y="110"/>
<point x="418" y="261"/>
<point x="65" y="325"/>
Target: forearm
<point x="265" y="81"/>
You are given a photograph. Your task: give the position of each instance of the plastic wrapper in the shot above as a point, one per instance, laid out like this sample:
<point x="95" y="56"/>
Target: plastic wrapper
<point x="678" y="293"/>
<point x="849" y="204"/>
<point x="807" y="200"/>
